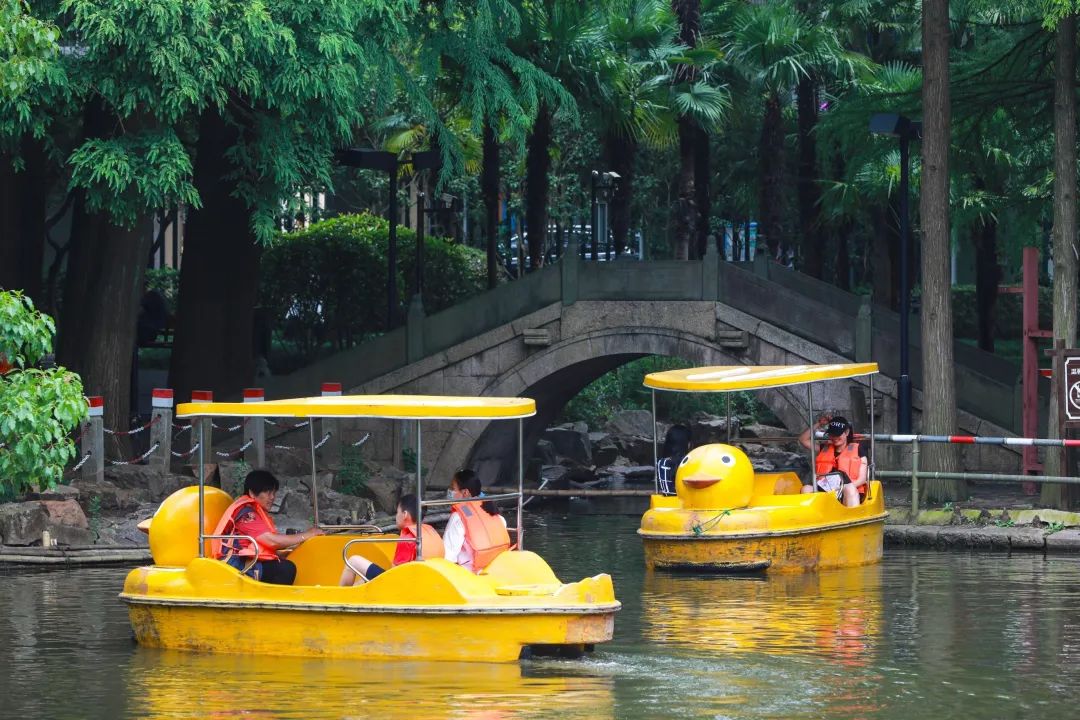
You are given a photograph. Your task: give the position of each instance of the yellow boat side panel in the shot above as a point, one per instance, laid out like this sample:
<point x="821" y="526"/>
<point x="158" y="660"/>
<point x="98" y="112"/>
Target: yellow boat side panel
<point x="432" y="609"/>
<point x="723" y="378"/>
<point x="670" y="502"/>
<point x="420" y="407"/>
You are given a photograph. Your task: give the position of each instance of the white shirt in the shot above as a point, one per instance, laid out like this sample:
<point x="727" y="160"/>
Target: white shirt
<point x="456" y="546"/>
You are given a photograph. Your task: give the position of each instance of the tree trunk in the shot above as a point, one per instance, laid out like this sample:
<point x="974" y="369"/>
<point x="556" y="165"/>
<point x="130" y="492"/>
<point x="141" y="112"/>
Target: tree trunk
<point x="102" y="293"/>
<point x="772" y="176"/>
<point x="685" y="207"/>
<point x="213" y="347"/>
<point x="987" y="278"/>
<point x="489" y="189"/>
<point x="22" y="221"/>
<point x="537" y="183"/>
<point x="843" y="255"/>
<point x="809" y="192"/>
<point x="939" y="389"/>
<point x="621" y="151"/>
<point x="702" y="189"/>
<point x="1065" y="245"/>
<point x="688" y="13"/>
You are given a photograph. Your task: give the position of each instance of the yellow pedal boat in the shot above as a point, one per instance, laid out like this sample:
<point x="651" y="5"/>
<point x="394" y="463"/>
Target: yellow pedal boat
<point x="428" y="610"/>
<point x="726" y="517"/>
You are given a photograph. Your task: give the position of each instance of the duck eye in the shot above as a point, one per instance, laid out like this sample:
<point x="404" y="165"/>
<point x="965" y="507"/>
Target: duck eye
<point x="685" y="460"/>
<point x="727" y="460"/>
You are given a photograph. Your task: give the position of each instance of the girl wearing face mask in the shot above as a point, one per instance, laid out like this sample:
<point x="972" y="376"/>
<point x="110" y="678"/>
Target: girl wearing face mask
<point x="475" y="533"/>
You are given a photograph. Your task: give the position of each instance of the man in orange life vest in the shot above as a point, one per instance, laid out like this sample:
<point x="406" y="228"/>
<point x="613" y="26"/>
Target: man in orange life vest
<point x="250" y="515"/>
<point x="475" y="533"/>
<point x="840" y="461"/>
<point x="358" y="569"/>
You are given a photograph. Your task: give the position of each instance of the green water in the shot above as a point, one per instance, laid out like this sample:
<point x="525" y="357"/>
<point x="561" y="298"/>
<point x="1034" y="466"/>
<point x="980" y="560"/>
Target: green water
<point x="923" y="634"/>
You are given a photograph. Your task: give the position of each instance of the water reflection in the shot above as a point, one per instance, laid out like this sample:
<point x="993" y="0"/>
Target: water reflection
<point x="172" y="684"/>
<point x="835" y="613"/>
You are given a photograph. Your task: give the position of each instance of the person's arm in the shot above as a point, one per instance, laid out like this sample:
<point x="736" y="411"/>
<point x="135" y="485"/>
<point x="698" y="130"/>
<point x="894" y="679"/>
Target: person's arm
<point x="864" y="468"/>
<point x="453" y="538"/>
<point x="807" y="438"/>
<point x="280" y="541"/>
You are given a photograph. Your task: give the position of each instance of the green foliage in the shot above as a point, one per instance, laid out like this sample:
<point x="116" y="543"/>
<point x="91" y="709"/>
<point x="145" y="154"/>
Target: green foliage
<point x="166" y="280"/>
<point x="1008" y="317"/>
<point x="94" y="515"/>
<point x="26" y="46"/>
<point x="327" y="283"/>
<point x="38" y="408"/>
<point x="622" y="389"/>
<point x="354" y="473"/>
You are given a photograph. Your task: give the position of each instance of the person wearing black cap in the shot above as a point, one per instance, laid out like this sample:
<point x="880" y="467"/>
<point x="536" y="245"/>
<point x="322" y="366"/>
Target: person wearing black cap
<point x="840" y="465"/>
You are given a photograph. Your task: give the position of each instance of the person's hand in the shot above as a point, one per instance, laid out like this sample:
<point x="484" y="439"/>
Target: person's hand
<point x="823" y="420"/>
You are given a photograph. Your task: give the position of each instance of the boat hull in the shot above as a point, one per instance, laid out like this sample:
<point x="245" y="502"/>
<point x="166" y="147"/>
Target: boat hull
<point x="848" y="545"/>
<point x="432" y="610"/>
<point x="789" y="532"/>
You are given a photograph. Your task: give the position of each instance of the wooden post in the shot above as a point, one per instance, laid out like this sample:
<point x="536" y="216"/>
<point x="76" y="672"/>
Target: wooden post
<point x="1029" y="416"/>
<point x="330" y="452"/>
<point x="161" y="405"/>
<point x="255" y="431"/>
<point x="93" y="439"/>
<point x="206" y="425"/>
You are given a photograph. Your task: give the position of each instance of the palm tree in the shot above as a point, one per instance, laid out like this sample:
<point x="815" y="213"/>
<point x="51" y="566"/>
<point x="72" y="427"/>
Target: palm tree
<point x="775" y="47"/>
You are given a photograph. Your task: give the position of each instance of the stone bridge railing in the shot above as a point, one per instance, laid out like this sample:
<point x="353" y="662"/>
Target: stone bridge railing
<point x="847" y="324"/>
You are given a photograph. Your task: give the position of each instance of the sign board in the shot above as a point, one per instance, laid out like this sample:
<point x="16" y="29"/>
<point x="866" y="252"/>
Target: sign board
<point x="1070" y="388"/>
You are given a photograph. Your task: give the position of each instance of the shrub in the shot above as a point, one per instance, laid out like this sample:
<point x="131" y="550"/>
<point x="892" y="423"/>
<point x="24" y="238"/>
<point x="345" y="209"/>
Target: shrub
<point x="39" y="406"/>
<point x="326" y="284"/>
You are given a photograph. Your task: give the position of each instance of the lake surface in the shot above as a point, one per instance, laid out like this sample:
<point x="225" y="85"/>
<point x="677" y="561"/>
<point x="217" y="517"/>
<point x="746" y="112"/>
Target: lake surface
<point x="923" y="634"/>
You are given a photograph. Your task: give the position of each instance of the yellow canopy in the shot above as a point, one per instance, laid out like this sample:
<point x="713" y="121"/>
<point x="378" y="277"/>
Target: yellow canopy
<point x="752" y="377"/>
<point x="416" y="407"/>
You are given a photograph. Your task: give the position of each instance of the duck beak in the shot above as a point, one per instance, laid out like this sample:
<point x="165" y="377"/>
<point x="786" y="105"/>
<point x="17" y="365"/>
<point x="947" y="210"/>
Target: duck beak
<point x="700" y="483"/>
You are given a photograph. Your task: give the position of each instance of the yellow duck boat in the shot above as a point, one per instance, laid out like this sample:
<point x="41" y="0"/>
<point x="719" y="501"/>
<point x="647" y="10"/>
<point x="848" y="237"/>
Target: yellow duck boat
<point x="726" y="517"/>
<point x="426" y="610"/>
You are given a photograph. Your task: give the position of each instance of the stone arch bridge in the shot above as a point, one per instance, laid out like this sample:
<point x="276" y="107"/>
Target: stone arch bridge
<point x="553" y="332"/>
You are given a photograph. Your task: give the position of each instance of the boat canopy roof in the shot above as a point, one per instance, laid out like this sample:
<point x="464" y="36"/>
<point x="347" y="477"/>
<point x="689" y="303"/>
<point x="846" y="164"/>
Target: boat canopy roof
<point x="724" y="378"/>
<point x="413" y="407"/>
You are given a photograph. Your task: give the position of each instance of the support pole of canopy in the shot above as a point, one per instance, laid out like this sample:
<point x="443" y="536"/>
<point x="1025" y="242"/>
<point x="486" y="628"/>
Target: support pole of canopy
<point x="655" y="458"/>
<point x="727" y="425"/>
<point x="419" y="495"/>
<point x="521" y="485"/>
<point x="813" y="435"/>
<point x="314" y="477"/>
<point x="202" y="483"/>
<point x="873" y="466"/>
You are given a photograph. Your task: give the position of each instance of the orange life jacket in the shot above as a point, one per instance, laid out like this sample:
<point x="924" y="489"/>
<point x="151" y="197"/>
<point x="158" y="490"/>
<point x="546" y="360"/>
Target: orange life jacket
<point x="846" y="461"/>
<point x="485" y="533"/>
<point x="433" y="544"/>
<point x="222" y="549"/>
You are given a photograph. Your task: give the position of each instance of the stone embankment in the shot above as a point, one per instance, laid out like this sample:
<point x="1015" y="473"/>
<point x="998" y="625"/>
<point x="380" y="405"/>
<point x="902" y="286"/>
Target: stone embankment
<point x="1028" y="529"/>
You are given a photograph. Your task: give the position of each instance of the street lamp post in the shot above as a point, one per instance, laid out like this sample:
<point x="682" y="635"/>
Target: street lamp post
<point x="903" y="129"/>
<point x="368" y="159"/>
<point x="425" y="160"/>
<point x="603" y="183"/>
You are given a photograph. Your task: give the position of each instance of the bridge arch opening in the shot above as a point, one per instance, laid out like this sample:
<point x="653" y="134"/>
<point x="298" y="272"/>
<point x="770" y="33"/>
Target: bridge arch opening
<point x="555" y="375"/>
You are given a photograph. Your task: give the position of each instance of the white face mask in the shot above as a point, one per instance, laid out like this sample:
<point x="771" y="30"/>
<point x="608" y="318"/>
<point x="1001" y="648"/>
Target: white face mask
<point x="450" y="494"/>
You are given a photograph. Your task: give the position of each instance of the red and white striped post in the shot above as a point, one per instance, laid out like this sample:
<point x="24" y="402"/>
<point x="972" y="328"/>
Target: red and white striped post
<point x="93" y="439"/>
<point x="330" y="452"/>
<point x="161" y="418"/>
<point x="202" y="430"/>
<point x="255" y="431"/>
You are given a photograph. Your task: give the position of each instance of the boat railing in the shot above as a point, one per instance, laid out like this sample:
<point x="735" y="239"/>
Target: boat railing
<point x="254" y="558"/>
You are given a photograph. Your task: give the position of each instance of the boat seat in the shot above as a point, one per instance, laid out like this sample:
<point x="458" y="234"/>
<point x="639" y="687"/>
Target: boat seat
<point x="777" y="483"/>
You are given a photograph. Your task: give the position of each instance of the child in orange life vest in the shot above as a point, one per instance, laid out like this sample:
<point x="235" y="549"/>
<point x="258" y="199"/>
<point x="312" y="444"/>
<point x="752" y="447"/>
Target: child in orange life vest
<point x="359" y="569"/>
<point x="840" y="455"/>
<point x="249" y="515"/>
<point x="475" y="533"/>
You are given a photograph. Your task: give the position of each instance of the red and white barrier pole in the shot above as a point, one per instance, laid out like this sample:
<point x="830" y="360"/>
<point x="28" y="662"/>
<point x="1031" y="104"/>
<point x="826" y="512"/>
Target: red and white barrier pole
<point x="330" y="452"/>
<point x="202" y="429"/>
<point x="93" y="439"/>
<point x="161" y="418"/>
<point x="255" y="431"/>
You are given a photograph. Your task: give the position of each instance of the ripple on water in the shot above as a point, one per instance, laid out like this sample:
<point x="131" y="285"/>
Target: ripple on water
<point x="959" y="635"/>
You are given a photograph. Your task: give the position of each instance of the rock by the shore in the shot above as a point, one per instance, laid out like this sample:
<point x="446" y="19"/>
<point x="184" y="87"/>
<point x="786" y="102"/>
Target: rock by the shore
<point x="23" y="523"/>
<point x="386" y="486"/>
<point x="630" y="422"/>
<point x="571" y="441"/>
<point x="706" y="429"/>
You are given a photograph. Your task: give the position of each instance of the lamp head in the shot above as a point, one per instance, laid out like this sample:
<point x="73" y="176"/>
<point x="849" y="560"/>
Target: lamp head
<point x="368" y="159"/>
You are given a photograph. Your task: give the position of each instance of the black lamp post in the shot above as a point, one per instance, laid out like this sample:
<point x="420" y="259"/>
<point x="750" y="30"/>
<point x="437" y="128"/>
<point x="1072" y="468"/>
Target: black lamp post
<point x="368" y="159"/>
<point x="425" y="160"/>
<point x="904" y="129"/>
<point x="603" y="183"/>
